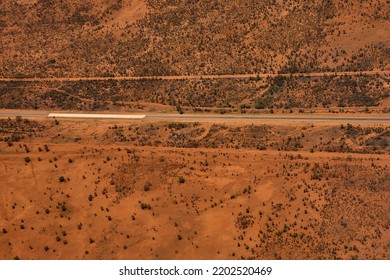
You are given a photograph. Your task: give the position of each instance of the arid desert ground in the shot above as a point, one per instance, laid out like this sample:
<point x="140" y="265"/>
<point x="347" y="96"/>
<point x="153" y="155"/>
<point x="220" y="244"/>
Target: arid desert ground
<point x="119" y="189"/>
<point x="266" y="131"/>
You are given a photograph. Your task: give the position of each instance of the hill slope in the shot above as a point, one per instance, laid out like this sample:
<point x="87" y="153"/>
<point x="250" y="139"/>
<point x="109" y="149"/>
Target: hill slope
<point x="124" y="37"/>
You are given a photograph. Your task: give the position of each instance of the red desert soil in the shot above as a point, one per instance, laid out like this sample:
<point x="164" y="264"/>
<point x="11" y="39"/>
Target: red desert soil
<point x="110" y="190"/>
<point x="196" y="188"/>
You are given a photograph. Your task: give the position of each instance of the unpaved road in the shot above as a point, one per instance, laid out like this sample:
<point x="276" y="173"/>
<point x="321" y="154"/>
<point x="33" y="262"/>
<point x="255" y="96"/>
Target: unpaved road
<point x="194" y="77"/>
<point x="200" y="117"/>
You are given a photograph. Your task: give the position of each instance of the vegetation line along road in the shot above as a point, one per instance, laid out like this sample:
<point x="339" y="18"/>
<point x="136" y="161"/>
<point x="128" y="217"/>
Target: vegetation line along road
<point x="194" y="77"/>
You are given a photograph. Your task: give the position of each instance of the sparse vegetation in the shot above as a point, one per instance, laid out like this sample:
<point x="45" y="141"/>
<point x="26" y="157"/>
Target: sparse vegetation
<point x="217" y="188"/>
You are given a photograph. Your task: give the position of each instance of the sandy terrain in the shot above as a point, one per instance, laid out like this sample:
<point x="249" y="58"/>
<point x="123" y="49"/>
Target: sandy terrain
<point x="101" y="190"/>
<point x="262" y="130"/>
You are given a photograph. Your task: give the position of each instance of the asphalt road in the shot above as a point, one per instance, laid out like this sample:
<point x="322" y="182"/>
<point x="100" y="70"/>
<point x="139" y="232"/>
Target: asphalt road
<point x="264" y="118"/>
<point x="26" y="114"/>
<point x="200" y="118"/>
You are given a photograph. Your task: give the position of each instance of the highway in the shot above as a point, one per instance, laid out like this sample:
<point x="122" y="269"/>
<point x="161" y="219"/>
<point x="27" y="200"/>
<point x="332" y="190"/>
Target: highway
<point x="265" y="118"/>
<point x="196" y="117"/>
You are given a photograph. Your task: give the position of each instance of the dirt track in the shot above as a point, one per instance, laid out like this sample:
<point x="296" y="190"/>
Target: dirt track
<point x="195" y="77"/>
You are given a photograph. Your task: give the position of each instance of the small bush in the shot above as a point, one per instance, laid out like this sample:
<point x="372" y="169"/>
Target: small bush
<point x="145" y="206"/>
<point x="147" y="186"/>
